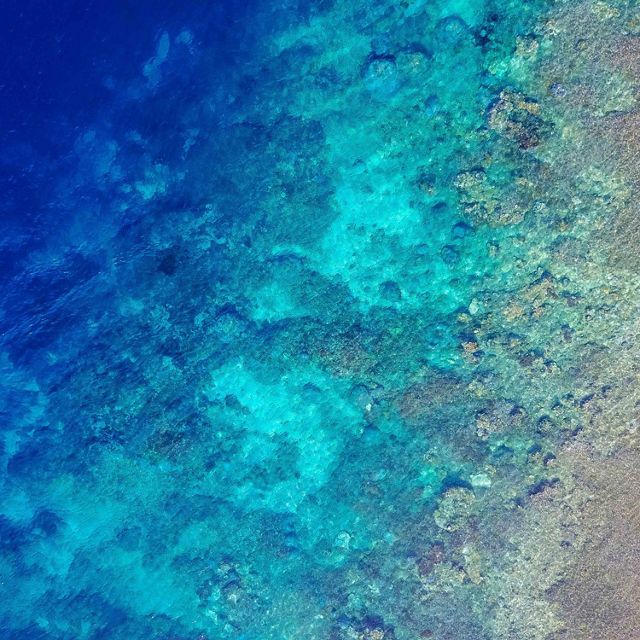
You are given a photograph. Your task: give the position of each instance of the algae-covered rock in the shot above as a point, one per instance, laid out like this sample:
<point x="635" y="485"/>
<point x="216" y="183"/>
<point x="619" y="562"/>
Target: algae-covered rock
<point x="434" y="556"/>
<point x="413" y="60"/>
<point x="477" y="195"/>
<point x="454" y="509"/>
<point x="370" y="627"/>
<point x="518" y="118"/>
<point x="375" y="628"/>
<point x="486" y="200"/>
<point x="499" y="417"/>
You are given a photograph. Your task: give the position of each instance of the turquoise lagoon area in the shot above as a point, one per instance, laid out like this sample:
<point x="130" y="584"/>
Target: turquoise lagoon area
<point x="317" y="319"/>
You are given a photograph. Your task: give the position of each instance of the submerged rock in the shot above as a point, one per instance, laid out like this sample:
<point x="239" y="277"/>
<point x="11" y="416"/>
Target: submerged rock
<point x="390" y="291"/>
<point x="380" y="76"/>
<point x="453" y="31"/>
<point x="449" y="254"/>
<point x="430" y="106"/>
<point x="454" y="508"/>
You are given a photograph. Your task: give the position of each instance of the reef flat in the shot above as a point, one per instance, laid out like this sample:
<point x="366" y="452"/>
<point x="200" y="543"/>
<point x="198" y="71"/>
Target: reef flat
<point x="319" y="321"/>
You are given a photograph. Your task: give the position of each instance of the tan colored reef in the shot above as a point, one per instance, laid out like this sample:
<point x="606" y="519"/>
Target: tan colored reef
<point x="574" y="573"/>
<point x="599" y="593"/>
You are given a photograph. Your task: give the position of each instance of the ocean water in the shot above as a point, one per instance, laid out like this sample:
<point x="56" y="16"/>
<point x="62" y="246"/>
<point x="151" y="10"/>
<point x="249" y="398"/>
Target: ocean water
<point x="292" y="319"/>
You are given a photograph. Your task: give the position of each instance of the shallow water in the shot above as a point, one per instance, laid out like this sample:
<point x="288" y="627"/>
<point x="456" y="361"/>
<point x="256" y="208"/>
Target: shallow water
<point x="293" y="315"/>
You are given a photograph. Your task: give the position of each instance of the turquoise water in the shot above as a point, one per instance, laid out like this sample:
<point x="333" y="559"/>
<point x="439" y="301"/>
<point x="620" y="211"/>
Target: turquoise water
<point x="285" y="340"/>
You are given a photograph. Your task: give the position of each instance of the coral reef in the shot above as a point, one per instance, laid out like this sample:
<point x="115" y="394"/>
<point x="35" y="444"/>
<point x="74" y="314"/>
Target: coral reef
<point x="321" y="323"/>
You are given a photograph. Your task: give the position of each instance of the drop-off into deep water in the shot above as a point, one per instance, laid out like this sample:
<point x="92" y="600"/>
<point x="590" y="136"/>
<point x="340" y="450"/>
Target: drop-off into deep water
<point x="319" y="320"/>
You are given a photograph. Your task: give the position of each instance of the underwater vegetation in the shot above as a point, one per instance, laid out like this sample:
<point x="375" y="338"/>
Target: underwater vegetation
<point x="319" y="320"/>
